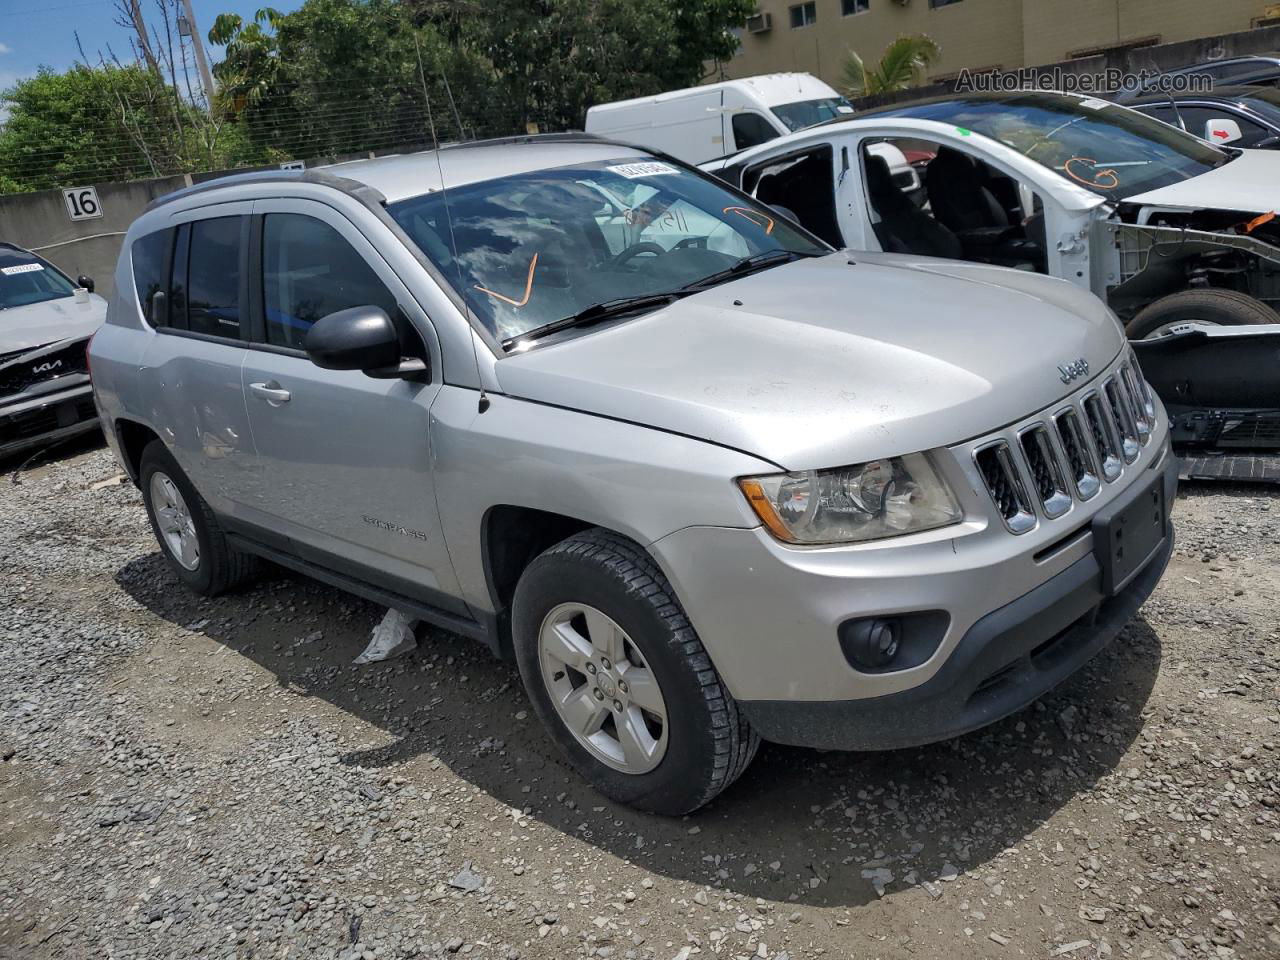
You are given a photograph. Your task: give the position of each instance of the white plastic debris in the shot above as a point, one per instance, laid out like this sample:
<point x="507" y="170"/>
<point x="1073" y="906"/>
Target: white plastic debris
<point x="392" y="637"/>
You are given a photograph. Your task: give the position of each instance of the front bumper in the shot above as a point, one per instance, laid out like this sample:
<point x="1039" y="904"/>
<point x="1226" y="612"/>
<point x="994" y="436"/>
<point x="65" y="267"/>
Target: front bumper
<point x="47" y="417"/>
<point x="1022" y="613"/>
<point x="1006" y="660"/>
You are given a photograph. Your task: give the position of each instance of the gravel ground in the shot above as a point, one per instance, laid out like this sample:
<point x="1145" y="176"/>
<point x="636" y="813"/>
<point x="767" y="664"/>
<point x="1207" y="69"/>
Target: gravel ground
<point x="194" y="778"/>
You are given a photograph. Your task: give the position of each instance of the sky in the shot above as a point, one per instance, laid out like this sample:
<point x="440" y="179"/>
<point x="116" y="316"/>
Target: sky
<point x="35" y="33"/>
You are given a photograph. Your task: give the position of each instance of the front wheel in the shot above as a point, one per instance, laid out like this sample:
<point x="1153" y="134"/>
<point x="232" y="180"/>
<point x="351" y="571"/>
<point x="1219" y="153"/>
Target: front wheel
<point x="619" y="677"/>
<point x="1188" y="309"/>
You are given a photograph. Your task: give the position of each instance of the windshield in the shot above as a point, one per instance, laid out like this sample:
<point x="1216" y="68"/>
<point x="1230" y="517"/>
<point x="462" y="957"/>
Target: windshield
<point x="1265" y="100"/>
<point x="1111" y="150"/>
<point x="806" y="113"/>
<point x="26" y="279"/>
<point x="543" y="246"/>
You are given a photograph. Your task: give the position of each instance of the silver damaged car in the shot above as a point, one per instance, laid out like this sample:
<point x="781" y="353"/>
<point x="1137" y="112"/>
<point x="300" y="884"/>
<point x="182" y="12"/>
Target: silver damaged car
<point x="706" y="479"/>
<point x="46" y="321"/>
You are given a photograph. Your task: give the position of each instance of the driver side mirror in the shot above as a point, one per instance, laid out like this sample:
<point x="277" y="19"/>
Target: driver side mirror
<point x="86" y="282"/>
<point x="360" y="338"/>
<point x="1222" y="130"/>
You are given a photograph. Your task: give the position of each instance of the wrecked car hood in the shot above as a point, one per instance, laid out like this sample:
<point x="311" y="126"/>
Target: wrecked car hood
<point x="38" y="324"/>
<point x="820" y="363"/>
<point x="1250" y="184"/>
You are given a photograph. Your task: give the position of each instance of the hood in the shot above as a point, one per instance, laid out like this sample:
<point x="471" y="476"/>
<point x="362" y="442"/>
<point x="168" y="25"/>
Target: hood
<point x="819" y="363"/>
<point x="1249" y="184"/>
<point x="38" y="324"/>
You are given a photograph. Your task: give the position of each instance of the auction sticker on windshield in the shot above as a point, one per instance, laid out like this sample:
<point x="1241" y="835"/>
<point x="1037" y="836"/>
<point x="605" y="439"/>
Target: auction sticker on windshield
<point x="21" y="268"/>
<point x="649" y="169"/>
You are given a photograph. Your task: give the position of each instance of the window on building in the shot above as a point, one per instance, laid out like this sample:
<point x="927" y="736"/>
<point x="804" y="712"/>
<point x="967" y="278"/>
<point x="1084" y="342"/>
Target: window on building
<point x="942" y="3"/>
<point x="849" y="7"/>
<point x="751" y="129"/>
<point x="309" y="271"/>
<point x="213" y="277"/>
<point x="804" y="14"/>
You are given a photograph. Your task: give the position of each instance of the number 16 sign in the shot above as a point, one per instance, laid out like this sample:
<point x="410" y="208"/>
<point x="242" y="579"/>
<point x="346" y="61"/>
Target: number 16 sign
<point x="82" y="203"/>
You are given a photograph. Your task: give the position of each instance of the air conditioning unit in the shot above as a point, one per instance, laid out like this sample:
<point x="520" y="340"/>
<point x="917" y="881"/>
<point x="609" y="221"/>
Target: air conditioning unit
<point x="760" y="23"/>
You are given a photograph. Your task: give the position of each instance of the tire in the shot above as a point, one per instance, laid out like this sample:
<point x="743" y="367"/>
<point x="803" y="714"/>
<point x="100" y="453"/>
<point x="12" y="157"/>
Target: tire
<point x="1222" y="308"/>
<point x="214" y="566"/>
<point x="703" y="743"/>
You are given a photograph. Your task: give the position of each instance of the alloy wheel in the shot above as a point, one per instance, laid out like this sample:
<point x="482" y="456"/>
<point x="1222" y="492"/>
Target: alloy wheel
<point x="602" y="688"/>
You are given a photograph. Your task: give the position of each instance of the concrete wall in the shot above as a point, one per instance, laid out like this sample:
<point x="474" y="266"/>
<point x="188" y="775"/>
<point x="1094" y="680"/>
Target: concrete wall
<point x="90" y="247"/>
<point x="984" y="34"/>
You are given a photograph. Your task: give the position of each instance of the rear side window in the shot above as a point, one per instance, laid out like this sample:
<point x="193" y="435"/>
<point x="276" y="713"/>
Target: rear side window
<point x="308" y="272"/>
<point x="150" y="260"/>
<point x="213" y="277"/>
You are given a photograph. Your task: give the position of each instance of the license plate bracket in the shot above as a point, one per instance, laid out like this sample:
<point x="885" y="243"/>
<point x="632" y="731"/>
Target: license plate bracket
<point x="1125" y="537"/>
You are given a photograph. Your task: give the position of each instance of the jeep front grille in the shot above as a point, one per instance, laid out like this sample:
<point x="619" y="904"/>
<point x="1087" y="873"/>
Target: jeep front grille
<point x="1005" y="486"/>
<point x="1041" y="468"/>
<point x="1105" y="435"/>
<point x="1046" y="474"/>
<point x="1122" y="415"/>
<point x="1079" y="454"/>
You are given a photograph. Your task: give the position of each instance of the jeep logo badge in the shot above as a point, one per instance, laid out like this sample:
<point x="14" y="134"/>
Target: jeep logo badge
<point x="1073" y="370"/>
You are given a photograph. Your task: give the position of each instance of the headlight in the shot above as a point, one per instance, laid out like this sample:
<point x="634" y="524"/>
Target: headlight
<point x="868" y="501"/>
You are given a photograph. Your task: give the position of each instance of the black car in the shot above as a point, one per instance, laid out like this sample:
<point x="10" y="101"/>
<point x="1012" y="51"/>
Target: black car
<point x="1256" y="110"/>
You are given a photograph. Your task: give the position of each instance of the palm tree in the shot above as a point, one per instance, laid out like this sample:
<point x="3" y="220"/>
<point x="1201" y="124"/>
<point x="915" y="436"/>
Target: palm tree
<point x="899" y="67"/>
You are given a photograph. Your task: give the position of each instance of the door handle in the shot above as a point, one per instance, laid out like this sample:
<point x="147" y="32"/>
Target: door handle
<point x="271" y="392"/>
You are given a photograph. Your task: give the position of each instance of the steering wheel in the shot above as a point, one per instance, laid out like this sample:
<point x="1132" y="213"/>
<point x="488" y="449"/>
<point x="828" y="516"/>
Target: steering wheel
<point x="644" y="246"/>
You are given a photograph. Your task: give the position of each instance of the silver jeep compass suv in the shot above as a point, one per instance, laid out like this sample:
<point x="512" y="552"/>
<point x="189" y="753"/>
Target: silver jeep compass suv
<point x="706" y="479"/>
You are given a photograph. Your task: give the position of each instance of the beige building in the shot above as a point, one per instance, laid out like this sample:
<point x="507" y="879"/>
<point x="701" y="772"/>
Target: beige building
<point x="814" y="35"/>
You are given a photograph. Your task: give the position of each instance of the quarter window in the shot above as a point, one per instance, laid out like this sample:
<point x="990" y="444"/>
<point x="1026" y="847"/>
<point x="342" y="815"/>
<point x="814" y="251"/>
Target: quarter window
<point x="213" y="277"/>
<point x="804" y="14"/>
<point x="750" y="129"/>
<point x="310" y="271"/>
<point x="150" y="260"/>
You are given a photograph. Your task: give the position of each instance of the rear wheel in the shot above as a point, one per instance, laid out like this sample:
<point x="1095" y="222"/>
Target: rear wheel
<point x="1188" y="309"/>
<point x="188" y="532"/>
<point x="618" y="675"/>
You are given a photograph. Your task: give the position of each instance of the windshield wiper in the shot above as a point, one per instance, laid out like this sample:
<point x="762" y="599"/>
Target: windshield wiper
<point x="598" y="312"/>
<point x="746" y="265"/>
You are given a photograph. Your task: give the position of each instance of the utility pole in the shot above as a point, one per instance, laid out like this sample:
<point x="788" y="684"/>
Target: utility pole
<point x="202" y="60"/>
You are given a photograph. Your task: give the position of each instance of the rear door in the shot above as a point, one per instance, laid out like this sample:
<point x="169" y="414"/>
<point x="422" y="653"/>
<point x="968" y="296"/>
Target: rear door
<point x="343" y="460"/>
<point x="191" y="367"/>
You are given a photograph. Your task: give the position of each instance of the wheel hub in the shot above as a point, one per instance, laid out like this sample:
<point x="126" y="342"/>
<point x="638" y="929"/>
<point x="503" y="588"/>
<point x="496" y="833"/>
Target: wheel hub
<point x="602" y="688"/>
<point x="174" y="521"/>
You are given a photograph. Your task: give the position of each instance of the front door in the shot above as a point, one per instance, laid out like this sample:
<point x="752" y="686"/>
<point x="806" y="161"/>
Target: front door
<point x="343" y="460"/>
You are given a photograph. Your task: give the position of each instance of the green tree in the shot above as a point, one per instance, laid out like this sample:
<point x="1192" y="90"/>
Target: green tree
<point x="900" y="66"/>
<point x="110" y="123"/>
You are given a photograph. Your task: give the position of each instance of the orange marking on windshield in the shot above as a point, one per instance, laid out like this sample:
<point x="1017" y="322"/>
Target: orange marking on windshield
<point x="1096" y="180"/>
<point x="528" y="287"/>
<point x="755" y="216"/>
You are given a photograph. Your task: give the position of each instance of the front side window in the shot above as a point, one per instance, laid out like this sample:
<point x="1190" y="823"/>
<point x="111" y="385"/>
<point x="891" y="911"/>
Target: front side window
<point x="805" y="113"/>
<point x="535" y="248"/>
<point x="751" y="130"/>
<point x="213" y="277"/>
<point x="150" y="257"/>
<point x="1108" y="149"/>
<point x="26" y="279"/>
<point x="804" y="14"/>
<point x="309" y="271"/>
